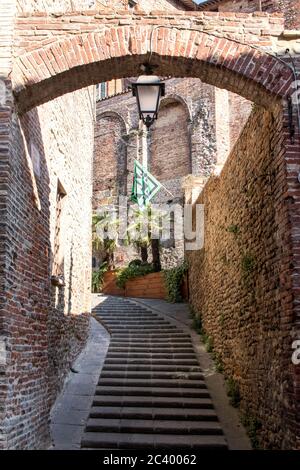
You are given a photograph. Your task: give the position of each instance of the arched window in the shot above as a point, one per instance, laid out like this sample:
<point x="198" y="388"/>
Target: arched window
<point x="170" y="142"/>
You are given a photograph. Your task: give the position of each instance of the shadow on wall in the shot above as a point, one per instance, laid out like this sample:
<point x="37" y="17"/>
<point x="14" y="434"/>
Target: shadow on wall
<point x="40" y="346"/>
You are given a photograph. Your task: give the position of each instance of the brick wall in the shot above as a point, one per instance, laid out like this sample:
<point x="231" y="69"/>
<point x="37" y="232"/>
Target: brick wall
<point x="290" y="8"/>
<point x="239" y="283"/>
<point x="42" y="335"/>
<point x="73" y="43"/>
<point x="54" y="6"/>
<point x="190" y="137"/>
<point x="189" y="112"/>
<point x="7" y="15"/>
<point x="109" y="175"/>
<point x="41" y="332"/>
<point x="170" y="155"/>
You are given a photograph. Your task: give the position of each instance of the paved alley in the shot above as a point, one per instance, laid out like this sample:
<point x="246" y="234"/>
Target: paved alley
<point x="151" y="392"/>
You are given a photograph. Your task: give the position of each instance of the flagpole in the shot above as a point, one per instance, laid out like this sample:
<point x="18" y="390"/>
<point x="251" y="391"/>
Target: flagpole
<point x="146" y="147"/>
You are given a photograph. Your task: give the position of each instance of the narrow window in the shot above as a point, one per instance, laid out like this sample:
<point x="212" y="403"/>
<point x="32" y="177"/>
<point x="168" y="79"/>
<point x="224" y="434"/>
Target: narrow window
<point x="170" y="243"/>
<point x="57" y="255"/>
<point x="103" y="90"/>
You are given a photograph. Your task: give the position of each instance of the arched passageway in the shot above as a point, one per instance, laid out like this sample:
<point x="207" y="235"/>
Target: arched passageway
<point x="53" y="56"/>
<point x="236" y="60"/>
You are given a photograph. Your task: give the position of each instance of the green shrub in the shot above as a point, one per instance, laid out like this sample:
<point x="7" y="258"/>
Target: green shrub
<point x="207" y="340"/>
<point x="252" y="425"/>
<point x="233" y="391"/>
<point x="218" y="362"/>
<point x="135" y="262"/>
<point x="235" y="229"/>
<point x="131" y="272"/>
<point x="98" y="277"/>
<point x="197" y="325"/>
<point x="248" y="263"/>
<point x="209" y="344"/>
<point x="173" y="282"/>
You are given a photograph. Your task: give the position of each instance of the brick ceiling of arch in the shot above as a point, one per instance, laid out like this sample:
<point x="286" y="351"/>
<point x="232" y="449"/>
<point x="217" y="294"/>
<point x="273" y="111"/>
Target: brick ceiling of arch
<point x="58" y="54"/>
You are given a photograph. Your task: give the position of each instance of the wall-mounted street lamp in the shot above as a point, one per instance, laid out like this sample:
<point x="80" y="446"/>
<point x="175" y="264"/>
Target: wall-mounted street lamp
<point x="148" y="90"/>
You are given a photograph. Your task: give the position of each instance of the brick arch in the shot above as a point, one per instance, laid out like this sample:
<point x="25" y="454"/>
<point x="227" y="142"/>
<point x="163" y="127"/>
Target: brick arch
<point x="81" y="60"/>
<point x="113" y="114"/>
<point x="175" y="97"/>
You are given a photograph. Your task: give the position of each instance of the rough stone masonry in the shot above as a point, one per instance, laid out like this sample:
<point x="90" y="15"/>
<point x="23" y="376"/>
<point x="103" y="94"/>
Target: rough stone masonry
<point x="45" y="197"/>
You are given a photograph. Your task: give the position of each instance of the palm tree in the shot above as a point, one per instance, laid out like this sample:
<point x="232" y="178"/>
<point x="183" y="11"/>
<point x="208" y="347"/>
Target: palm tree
<point x="149" y="218"/>
<point x="141" y="239"/>
<point x="155" y="247"/>
<point x="100" y="224"/>
<point x="138" y="233"/>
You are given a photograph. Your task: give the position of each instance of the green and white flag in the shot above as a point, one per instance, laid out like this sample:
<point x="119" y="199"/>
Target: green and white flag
<point x="144" y="187"/>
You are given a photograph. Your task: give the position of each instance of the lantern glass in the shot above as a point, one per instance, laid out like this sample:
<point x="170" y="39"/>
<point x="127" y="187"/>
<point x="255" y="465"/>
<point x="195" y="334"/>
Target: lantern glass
<point x="148" y="93"/>
<point x="148" y="89"/>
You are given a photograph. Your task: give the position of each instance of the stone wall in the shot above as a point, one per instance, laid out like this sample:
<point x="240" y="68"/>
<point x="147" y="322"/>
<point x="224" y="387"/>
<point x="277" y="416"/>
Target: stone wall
<point x="237" y="281"/>
<point x="191" y="136"/>
<point x="290" y="8"/>
<point x="110" y="158"/>
<point x="54" y="6"/>
<point x="170" y="153"/>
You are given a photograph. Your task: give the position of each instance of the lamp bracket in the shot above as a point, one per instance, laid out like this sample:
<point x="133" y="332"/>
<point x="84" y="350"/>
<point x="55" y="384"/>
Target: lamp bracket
<point x="291" y="120"/>
<point x="147" y="68"/>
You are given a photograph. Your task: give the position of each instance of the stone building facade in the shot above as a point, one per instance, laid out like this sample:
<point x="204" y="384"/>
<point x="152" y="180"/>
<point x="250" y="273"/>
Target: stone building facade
<point x="45" y="184"/>
<point x="198" y="125"/>
<point x="46" y="261"/>
<point x="289" y="8"/>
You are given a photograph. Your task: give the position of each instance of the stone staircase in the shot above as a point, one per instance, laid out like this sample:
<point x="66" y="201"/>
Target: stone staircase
<point x="151" y="392"/>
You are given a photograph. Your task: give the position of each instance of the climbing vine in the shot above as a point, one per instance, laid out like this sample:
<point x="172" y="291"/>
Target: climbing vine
<point x="173" y="282"/>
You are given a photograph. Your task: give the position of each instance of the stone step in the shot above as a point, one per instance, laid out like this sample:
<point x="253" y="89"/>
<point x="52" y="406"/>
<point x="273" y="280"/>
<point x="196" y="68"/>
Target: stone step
<point x="151" y="337"/>
<point x="136" y="382"/>
<point x="151" y="349"/>
<point x="152" y="367"/>
<point x="150" y="360"/>
<point x="135" y="321"/>
<point x="149" y="344"/>
<point x="148" y="355"/>
<point x="141" y="328"/>
<point x="132" y="412"/>
<point x="134" y="325"/>
<point x="146" y="362"/>
<point x="133" y="318"/>
<point x="151" y="391"/>
<point x="145" y="343"/>
<point x="138" y="374"/>
<point x="168" y="402"/>
<point x="105" y="440"/>
<point x="122" y="310"/>
<point x="153" y="426"/>
<point x="131" y="314"/>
